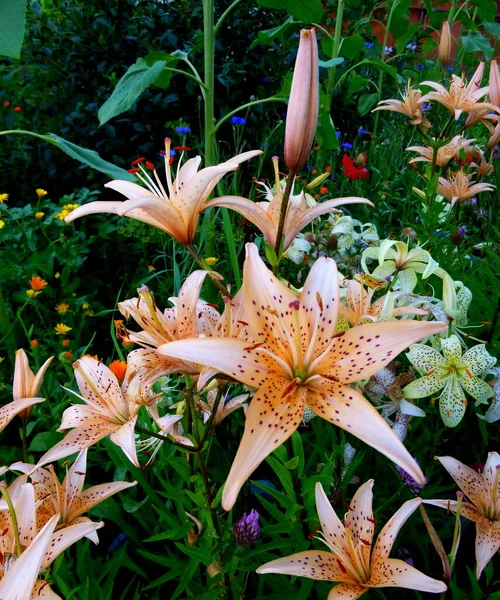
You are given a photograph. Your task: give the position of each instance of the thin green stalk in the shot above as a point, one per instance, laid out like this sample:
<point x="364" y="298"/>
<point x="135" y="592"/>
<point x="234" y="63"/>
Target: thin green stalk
<point x="222" y="288"/>
<point x="228" y="10"/>
<point x="164" y="438"/>
<point x="243" y="106"/>
<point x="7" y="329"/>
<point x="284" y="206"/>
<point x="13" y="517"/>
<point x="213" y="414"/>
<point x="24" y="438"/>
<point x="186" y="74"/>
<point x="337" y="38"/>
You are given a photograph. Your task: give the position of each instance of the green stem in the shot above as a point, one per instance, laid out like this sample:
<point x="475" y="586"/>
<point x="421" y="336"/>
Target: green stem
<point x="7" y="329"/>
<point x="186" y="74"/>
<point x="25" y="132"/>
<point x="240" y="108"/>
<point x="222" y="288"/>
<point x="209" y="79"/>
<point x="228" y="10"/>
<point x="337" y="38"/>
<point x="24" y="438"/>
<point x="283" y="209"/>
<point x="297" y="490"/>
<point x="213" y="414"/>
<point x="164" y="438"/>
<point x="13" y="517"/>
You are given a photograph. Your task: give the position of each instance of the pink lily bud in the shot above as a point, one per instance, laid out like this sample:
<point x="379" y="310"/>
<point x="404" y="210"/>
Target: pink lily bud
<point x="494" y="84"/>
<point x="302" y="115"/>
<point x="445" y="44"/>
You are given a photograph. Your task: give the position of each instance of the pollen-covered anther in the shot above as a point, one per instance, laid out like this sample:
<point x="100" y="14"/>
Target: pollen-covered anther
<point x="150" y="165"/>
<point x="253" y="346"/>
<point x="319" y="301"/>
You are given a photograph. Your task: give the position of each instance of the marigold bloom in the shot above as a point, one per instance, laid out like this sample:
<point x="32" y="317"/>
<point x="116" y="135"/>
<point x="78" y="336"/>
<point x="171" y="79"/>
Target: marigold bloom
<point x="62" y="329"/>
<point x="17" y="109"/>
<point x="34" y="344"/>
<point x="351" y="561"/>
<point x="3" y="198"/>
<point x="65" y="343"/>
<point x="2" y="223"/>
<point x="39" y="215"/>
<point x="211" y="261"/>
<point x="37" y="283"/>
<point x="66" y="211"/>
<point x="119" y="368"/>
<point x="40" y="192"/>
<point x="31" y="293"/>
<point x="62" y="308"/>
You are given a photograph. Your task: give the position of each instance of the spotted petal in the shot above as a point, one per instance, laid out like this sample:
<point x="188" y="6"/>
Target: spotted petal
<point x="124" y="437"/>
<point x="469" y="511"/>
<point x="392" y="572"/>
<point x="360" y="515"/>
<point x="452" y="350"/>
<point x="424" y="386"/>
<point x="347" y="591"/>
<point x="64" y="538"/>
<point x="94" y="495"/>
<point x="43" y="591"/>
<point x="425" y="358"/>
<point x="314" y="564"/>
<point x="348" y="409"/>
<point x="478" y="360"/>
<point x="273" y="415"/>
<point x="487" y="543"/>
<point x="387" y="536"/>
<point x="469" y="481"/>
<point x="452" y="403"/>
<point x="477" y="388"/>
<point x="9" y="411"/>
<point x="332" y="527"/>
<point x="490" y="469"/>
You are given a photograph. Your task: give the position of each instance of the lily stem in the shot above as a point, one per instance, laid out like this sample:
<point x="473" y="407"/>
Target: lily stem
<point x="222" y="288"/>
<point x="164" y="438"/>
<point x="24" y="438"/>
<point x="284" y="206"/>
<point x="13" y="517"/>
<point x="296" y="487"/>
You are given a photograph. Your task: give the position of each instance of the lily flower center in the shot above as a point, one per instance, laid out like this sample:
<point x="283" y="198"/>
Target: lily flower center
<point x="493" y="508"/>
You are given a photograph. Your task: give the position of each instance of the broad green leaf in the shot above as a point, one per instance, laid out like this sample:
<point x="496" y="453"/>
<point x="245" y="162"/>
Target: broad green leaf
<point x="325" y="133"/>
<point x="304" y="10"/>
<point x="492" y="28"/>
<point x="12" y="24"/>
<point x="286" y="87"/>
<point x="476" y="42"/>
<point x="138" y="78"/>
<point x="351" y="45"/>
<point x="406" y="37"/>
<point x="333" y="62"/>
<point x="487" y="9"/>
<point x="292" y="464"/>
<point x="202" y="555"/>
<point x="267" y="37"/>
<point x="163" y="79"/>
<point x="399" y="18"/>
<point x="381" y="66"/>
<point x="89" y="158"/>
<point x="366" y="103"/>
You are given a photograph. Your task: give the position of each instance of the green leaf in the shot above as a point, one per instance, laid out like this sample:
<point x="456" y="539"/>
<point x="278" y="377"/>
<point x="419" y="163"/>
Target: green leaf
<point x="202" y="555"/>
<point x="400" y="17"/>
<point x="298" y="450"/>
<point x="44" y="440"/>
<point x="351" y="45"/>
<point x="381" y="66"/>
<point x="292" y="463"/>
<point x="333" y="62"/>
<point x="406" y="37"/>
<point x="366" y="103"/>
<point x="492" y="28"/>
<point x="325" y="132"/>
<point x="89" y="158"/>
<point x="487" y="9"/>
<point x="138" y="78"/>
<point x="163" y="79"/>
<point x="476" y="42"/>
<point x="270" y="255"/>
<point x="303" y="10"/>
<point x="286" y="87"/>
<point x="267" y="37"/>
<point x="12" y="24"/>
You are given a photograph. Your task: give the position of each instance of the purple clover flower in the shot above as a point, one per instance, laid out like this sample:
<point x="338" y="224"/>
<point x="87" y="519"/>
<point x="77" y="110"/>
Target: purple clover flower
<point x="410" y="483"/>
<point x="246" y="531"/>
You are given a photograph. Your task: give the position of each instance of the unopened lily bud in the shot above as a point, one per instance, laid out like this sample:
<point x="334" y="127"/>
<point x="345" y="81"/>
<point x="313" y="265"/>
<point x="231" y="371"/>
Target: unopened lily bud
<point x="445" y="44"/>
<point x="303" y="106"/>
<point x="494" y="83"/>
<point x="419" y="193"/>
<point x="317" y="181"/>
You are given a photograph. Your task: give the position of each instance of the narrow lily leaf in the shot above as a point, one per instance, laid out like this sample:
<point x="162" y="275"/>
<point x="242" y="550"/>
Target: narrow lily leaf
<point x="138" y="78"/>
<point x="267" y="36"/>
<point x="12" y="25"/>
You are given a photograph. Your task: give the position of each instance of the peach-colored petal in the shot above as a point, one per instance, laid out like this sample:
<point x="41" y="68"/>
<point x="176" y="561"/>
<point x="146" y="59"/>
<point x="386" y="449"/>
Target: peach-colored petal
<point x="347" y="591"/>
<point x="76" y="415"/>
<point x="362" y="351"/>
<point x="487" y="543"/>
<point x="43" y="591"/>
<point x="469" y="481"/>
<point x="469" y="511"/>
<point x="348" y="409"/>
<point x="19" y="581"/>
<point x="160" y="213"/>
<point x="132" y="191"/>
<point x="92" y="496"/>
<point x="186" y="305"/>
<point x="64" y="538"/>
<point x="272" y="417"/>
<point x="92" y="536"/>
<point x="75" y="477"/>
<point x="37" y="383"/>
<point x="492" y="465"/>
<point x="23" y="377"/>
<point x="314" y="564"/>
<point x="392" y="572"/>
<point x="9" y="411"/>
<point x="387" y="536"/>
<point x="332" y="527"/>
<point x="186" y="172"/>
<point x="360" y="517"/>
<point x="124" y="437"/>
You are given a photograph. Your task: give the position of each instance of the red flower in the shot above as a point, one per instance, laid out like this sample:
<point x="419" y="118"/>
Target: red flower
<point x="355" y="169"/>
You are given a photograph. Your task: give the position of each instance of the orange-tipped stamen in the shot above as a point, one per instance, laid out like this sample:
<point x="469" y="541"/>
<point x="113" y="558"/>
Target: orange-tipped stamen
<point x="138" y="160"/>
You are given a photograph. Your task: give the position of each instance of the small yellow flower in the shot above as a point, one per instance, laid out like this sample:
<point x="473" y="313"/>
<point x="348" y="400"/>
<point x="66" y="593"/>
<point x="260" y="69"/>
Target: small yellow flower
<point x="211" y="260"/>
<point x="66" y="210"/>
<point x="32" y="293"/>
<point x="39" y="215"/>
<point x="57" y="275"/>
<point x="40" y="193"/>
<point x="3" y="198"/>
<point x="62" y="329"/>
<point x="85" y="306"/>
<point x="62" y="308"/>
<point x="151" y="268"/>
<point x="2" y="224"/>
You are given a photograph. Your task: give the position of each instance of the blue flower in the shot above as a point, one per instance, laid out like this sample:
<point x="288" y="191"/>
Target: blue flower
<point x="389" y="50"/>
<point x="265" y="79"/>
<point x="411" y="47"/>
<point x="346" y="145"/>
<point x="369" y="44"/>
<point x="420" y="66"/>
<point x="449" y="68"/>
<point x="183" y="130"/>
<point x="338" y="133"/>
<point x="238" y="120"/>
<point x="362" y="131"/>
<point x="172" y="152"/>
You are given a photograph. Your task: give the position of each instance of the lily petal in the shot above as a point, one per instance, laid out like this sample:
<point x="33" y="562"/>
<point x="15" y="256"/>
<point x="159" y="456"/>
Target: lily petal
<point x="43" y="591"/>
<point x="272" y="417"/>
<point x="478" y="360"/>
<point x="9" y="411"/>
<point x="314" y="564"/>
<point x="452" y="403"/>
<point x="477" y="388"/>
<point x="387" y="536"/>
<point x="469" y="511"/>
<point x="92" y="496"/>
<point x="487" y="543"/>
<point x="424" y="386"/>
<point x="491" y="466"/>
<point x="347" y="591"/>
<point x="64" y="538"/>
<point x="332" y="527"/>
<point x="392" y="572"/>
<point x="425" y="358"/>
<point x="469" y="481"/>
<point x="360" y="515"/>
<point x="124" y="437"/>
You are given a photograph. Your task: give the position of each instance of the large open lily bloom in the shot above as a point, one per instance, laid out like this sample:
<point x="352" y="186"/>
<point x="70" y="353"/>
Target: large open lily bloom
<point x="294" y="357"/>
<point x="412" y="106"/>
<point x="266" y="215"/>
<point x="445" y="153"/>
<point x="460" y="187"/>
<point x="107" y="411"/>
<point x="461" y="98"/>
<point x="25" y="389"/>
<point x="68" y="499"/>
<point x="175" y="209"/>
<point x="482" y="504"/>
<point x="350" y="560"/>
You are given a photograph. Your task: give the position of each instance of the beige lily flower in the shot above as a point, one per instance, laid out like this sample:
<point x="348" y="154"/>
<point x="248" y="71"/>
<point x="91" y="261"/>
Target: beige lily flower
<point x="482" y="505"/>
<point x="177" y="211"/>
<point x="25" y="389"/>
<point x="295" y="358"/>
<point x="411" y="106"/>
<point x="266" y="215"/>
<point x="459" y="187"/>
<point x="68" y="499"/>
<point x="482" y="166"/>
<point x="226" y="406"/>
<point x="445" y="153"/>
<point x="107" y="411"/>
<point x="359" y="308"/>
<point x="350" y="560"/>
<point x="461" y="98"/>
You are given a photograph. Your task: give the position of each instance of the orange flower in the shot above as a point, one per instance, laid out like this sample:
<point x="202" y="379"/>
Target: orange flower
<point x="62" y="308"/>
<point x="34" y="344"/>
<point x="119" y="368"/>
<point x="66" y="342"/>
<point x="37" y="283"/>
<point x="323" y="190"/>
<point x="17" y="109"/>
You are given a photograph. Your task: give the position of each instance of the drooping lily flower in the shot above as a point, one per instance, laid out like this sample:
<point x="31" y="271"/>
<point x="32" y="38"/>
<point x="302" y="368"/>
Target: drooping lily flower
<point x="265" y="215"/>
<point x="401" y="260"/>
<point x="412" y="106"/>
<point x="107" y="411"/>
<point x="69" y="500"/>
<point x="350" y="560"/>
<point x="294" y="358"/>
<point x="303" y="106"/>
<point x="175" y="209"/>
<point x="482" y="505"/>
<point x="460" y="187"/>
<point x="461" y="98"/>
<point x="226" y="406"/>
<point x="452" y="373"/>
<point x="445" y="153"/>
